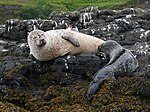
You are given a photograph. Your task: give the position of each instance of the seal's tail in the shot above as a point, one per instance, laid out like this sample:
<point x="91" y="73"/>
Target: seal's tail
<point x="97" y="82"/>
<point x="94" y="87"/>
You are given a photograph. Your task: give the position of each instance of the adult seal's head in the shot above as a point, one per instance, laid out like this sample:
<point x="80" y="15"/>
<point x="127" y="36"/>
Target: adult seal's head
<point x="37" y="38"/>
<point x="122" y="63"/>
<point x="37" y="43"/>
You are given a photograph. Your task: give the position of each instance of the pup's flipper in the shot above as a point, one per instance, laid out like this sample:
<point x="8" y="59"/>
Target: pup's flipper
<point x="98" y="81"/>
<point x="115" y="56"/>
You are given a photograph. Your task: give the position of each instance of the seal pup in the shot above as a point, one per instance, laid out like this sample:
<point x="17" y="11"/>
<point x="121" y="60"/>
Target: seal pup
<point x="46" y="46"/>
<point x="122" y="63"/>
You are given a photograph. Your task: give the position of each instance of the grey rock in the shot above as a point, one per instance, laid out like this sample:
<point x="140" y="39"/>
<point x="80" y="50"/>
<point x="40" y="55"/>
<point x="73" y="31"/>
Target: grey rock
<point x="127" y="27"/>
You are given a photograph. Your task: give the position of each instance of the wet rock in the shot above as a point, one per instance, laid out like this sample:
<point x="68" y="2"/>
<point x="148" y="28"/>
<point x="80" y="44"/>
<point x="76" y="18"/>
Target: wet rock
<point x="126" y="26"/>
<point x="61" y="84"/>
<point x="105" y="22"/>
<point x="47" y="25"/>
<point x="145" y="16"/>
<point x="18" y="70"/>
<point x="142" y="88"/>
<point x="128" y="11"/>
<point x="143" y="24"/>
<point x="2" y="30"/>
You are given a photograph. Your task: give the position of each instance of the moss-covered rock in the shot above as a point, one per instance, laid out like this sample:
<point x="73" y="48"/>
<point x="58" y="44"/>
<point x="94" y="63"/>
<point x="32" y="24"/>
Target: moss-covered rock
<point x="8" y="107"/>
<point x="115" y="95"/>
<point x="62" y="91"/>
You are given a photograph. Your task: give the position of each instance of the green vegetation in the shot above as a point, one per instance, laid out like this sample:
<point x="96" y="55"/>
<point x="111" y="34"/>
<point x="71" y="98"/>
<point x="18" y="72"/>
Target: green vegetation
<point x="41" y="8"/>
<point x="2" y="19"/>
<point x="72" y="5"/>
<point x="114" y="96"/>
<point x="17" y="2"/>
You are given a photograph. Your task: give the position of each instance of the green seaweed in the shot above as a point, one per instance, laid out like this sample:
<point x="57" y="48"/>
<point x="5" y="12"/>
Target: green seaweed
<point x="113" y="96"/>
<point x="9" y="107"/>
<point x="123" y="94"/>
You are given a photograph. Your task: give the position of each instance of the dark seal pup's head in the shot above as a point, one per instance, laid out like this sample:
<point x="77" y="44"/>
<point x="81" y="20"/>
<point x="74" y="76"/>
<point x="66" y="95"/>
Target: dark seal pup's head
<point x="110" y="46"/>
<point x="112" y="49"/>
<point x="37" y="38"/>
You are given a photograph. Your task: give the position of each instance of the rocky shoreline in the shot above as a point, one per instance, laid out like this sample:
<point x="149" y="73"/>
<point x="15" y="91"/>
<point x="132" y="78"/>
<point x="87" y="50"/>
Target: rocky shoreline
<point x="61" y="85"/>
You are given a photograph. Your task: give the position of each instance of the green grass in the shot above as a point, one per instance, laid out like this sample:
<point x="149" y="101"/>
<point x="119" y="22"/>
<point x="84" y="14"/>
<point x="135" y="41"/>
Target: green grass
<point x="2" y="20"/>
<point x="72" y="5"/>
<point x="17" y="2"/>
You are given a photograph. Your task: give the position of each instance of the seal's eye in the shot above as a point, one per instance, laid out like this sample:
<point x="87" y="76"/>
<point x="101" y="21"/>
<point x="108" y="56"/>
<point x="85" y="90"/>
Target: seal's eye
<point x="41" y="34"/>
<point x="34" y="37"/>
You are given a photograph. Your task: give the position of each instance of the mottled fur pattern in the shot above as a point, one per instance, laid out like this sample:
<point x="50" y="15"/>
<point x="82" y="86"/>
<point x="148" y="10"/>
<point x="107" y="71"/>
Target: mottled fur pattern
<point x="37" y="38"/>
<point x="46" y="46"/>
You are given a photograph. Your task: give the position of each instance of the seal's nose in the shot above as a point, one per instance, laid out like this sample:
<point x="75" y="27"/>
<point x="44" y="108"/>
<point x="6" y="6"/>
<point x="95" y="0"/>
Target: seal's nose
<point x="43" y="41"/>
<point x="100" y="47"/>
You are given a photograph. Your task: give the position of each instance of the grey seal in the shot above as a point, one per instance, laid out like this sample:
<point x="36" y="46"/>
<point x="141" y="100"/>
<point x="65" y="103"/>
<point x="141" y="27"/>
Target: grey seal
<point x="122" y="63"/>
<point x="46" y="46"/>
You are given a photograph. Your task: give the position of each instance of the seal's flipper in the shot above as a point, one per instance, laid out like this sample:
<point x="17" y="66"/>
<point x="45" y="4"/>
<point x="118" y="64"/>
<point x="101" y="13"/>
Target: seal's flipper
<point x="95" y="86"/>
<point x="115" y="56"/>
<point x="69" y="27"/>
<point x="98" y="80"/>
<point x="112" y="60"/>
<point x="72" y="40"/>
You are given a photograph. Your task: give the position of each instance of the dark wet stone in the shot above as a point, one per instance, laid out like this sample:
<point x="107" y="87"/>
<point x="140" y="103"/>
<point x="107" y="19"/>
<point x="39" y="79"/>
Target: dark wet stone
<point x="37" y="93"/>
<point x="130" y="27"/>
<point x="2" y="87"/>
<point x="126" y="26"/>
<point x="46" y="98"/>
<point x="144" y="24"/>
<point x="128" y="11"/>
<point x="107" y="12"/>
<point x="2" y="30"/>
<point x="145" y="16"/>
